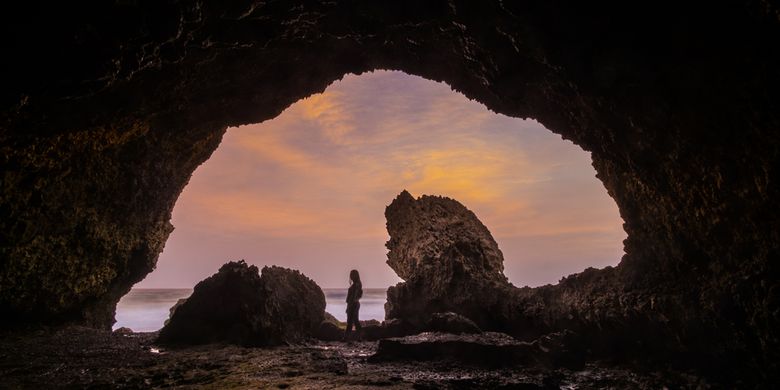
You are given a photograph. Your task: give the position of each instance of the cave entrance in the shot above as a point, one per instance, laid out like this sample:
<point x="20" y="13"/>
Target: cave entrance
<point x="307" y="190"/>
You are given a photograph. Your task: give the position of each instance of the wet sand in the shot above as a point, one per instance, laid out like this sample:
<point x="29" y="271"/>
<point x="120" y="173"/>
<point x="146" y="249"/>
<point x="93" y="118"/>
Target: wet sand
<point x="78" y="357"/>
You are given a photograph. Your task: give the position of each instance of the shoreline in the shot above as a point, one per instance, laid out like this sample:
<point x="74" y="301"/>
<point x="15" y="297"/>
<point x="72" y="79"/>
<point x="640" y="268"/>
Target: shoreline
<point x="147" y="309"/>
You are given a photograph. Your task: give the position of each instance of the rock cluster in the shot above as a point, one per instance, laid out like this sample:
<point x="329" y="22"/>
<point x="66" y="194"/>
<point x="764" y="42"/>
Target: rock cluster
<point x="454" y="283"/>
<point x="239" y="305"/>
<point x="331" y="329"/>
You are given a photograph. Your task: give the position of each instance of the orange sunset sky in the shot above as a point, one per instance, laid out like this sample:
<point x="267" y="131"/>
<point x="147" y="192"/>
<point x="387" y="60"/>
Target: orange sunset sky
<point x="308" y="189"/>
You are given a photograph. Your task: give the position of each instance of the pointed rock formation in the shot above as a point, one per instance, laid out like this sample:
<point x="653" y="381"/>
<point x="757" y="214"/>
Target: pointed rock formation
<point x="448" y="259"/>
<point x="436" y="233"/>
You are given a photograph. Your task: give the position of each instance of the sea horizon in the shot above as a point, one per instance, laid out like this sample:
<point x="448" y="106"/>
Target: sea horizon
<point x="192" y="287"/>
<point x="145" y="309"/>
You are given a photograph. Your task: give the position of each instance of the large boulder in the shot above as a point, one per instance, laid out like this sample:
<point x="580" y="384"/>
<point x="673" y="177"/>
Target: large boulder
<point x="293" y="305"/>
<point x="448" y="259"/>
<point x="238" y="305"/>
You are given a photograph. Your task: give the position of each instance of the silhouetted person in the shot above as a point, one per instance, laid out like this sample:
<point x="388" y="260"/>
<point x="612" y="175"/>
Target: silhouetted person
<point x="354" y="294"/>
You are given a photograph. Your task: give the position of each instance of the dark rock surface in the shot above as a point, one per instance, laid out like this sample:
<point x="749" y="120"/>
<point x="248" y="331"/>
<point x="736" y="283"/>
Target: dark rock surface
<point x="451" y="262"/>
<point x="448" y="259"/>
<point x="450" y="322"/>
<point x="106" y="110"/>
<point x="386" y="329"/>
<point x="123" y="330"/>
<point x="173" y="310"/>
<point x="77" y="357"/>
<point x="435" y="234"/>
<point x="486" y="349"/>
<point x="330" y="329"/>
<point x="293" y="305"/>
<point x="489" y="349"/>
<point x="562" y="349"/>
<point x="395" y="327"/>
<point x="238" y="305"/>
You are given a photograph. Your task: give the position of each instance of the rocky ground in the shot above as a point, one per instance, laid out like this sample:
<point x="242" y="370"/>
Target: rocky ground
<point x="86" y="358"/>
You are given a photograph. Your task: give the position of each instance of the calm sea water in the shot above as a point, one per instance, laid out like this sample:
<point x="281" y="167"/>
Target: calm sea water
<point x="146" y="309"/>
<point x="372" y="304"/>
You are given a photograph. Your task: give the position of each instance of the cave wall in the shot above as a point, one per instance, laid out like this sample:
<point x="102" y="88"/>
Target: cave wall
<point x="107" y="109"/>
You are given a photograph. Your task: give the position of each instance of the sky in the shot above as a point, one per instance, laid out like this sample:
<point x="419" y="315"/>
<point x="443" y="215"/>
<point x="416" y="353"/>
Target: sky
<point x="308" y="189"/>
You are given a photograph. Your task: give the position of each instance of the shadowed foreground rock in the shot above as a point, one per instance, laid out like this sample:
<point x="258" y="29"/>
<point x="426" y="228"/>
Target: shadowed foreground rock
<point x="238" y="305"/>
<point x="82" y="358"/>
<point x="331" y="329"/>
<point x="488" y="349"/>
<point x="450" y="322"/>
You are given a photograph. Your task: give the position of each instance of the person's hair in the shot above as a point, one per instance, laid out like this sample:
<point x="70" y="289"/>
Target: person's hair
<point x="354" y="276"/>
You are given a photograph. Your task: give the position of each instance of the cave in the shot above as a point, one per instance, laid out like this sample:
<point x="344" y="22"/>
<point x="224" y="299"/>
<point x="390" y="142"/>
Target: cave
<point x="108" y="108"/>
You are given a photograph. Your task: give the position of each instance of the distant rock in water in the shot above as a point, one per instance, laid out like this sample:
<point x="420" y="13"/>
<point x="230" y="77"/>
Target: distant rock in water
<point x="239" y="305"/>
<point x="448" y="259"/>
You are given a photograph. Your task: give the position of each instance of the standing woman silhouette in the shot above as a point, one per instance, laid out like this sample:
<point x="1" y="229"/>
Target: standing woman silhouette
<point x="354" y="294"/>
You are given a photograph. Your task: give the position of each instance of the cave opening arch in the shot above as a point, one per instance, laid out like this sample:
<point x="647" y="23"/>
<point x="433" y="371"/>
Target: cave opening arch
<point x="298" y="190"/>
<point x="681" y="123"/>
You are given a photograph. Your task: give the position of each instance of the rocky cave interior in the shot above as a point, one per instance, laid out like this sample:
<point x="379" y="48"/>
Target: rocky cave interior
<point x="108" y="108"/>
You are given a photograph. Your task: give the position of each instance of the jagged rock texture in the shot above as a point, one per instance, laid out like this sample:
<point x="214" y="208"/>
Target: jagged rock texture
<point x="240" y="306"/>
<point x="448" y="259"/>
<point x="484" y="349"/>
<point x="436" y="233"/>
<point x="450" y="322"/>
<point x="293" y="305"/>
<point x="107" y="108"/>
<point x="451" y="262"/>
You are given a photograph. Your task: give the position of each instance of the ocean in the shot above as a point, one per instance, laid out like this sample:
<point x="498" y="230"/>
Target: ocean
<point x="146" y="309"/>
